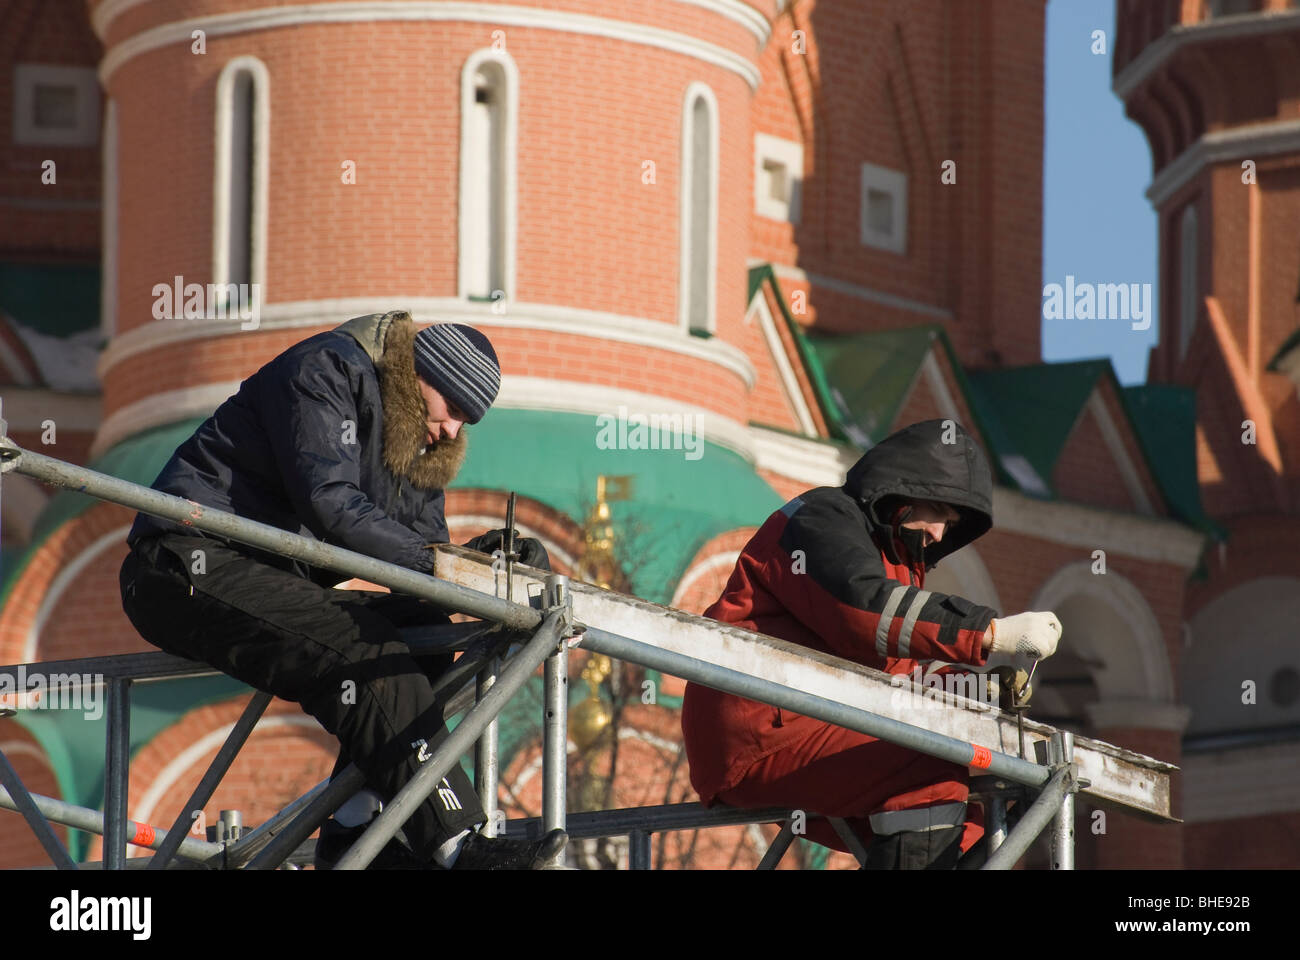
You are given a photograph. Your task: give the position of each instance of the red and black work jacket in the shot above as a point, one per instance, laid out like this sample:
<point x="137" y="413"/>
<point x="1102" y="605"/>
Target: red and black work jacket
<point x="834" y="571"/>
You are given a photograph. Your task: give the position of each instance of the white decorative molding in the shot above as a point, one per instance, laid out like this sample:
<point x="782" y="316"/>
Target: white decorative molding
<point x="736" y="10"/>
<point x="938" y="386"/>
<point x="1120" y="657"/>
<point x="67" y="575"/>
<point x="158" y="409"/>
<point x="698" y="92"/>
<point x="259" y="175"/>
<point x="26" y="408"/>
<point x="178" y="32"/>
<point x="1240" y="782"/>
<point x="1133" y="712"/>
<point x="1155" y="54"/>
<point x="788" y="272"/>
<point x="26" y="131"/>
<point x="1249" y="142"/>
<point x="1110" y="435"/>
<point x="785" y="371"/>
<point x="788" y="154"/>
<point x="1090" y="528"/>
<point x="526" y="316"/>
<point x="817" y="463"/>
<point x="509" y="178"/>
<point x="727" y="559"/>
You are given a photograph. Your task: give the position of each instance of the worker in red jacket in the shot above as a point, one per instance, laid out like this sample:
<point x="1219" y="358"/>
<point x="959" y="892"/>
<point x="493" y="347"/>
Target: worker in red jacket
<point x="842" y="570"/>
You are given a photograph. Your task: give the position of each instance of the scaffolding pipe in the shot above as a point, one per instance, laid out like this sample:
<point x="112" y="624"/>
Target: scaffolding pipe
<point x="555" y="731"/>
<point x="1039" y="814"/>
<point x="447" y="595"/>
<point x="216" y="770"/>
<point x="418" y="788"/>
<point x="956" y="751"/>
<point x="253" y="842"/>
<point x="117" y="760"/>
<point x="24" y="804"/>
<point x="92" y="821"/>
<point x="1061" y="752"/>
<point x="313" y="814"/>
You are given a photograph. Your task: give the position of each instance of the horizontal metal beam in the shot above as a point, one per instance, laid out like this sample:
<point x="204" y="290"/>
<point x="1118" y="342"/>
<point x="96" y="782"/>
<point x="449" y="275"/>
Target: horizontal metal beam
<point x="1118" y="778"/>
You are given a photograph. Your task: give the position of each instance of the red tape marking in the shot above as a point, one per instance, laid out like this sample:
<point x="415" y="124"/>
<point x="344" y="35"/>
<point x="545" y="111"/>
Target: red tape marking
<point x="982" y="756"/>
<point x="144" y="835"/>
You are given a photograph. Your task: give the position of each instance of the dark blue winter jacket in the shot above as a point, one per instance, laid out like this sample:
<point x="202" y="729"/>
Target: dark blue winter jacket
<point x="325" y="441"/>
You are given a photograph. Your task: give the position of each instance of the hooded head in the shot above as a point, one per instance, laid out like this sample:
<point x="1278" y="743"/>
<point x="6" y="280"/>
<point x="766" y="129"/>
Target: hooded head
<point x="916" y="463"/>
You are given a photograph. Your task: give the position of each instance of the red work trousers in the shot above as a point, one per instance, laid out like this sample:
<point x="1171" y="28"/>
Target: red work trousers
<point x="838" y="772"/>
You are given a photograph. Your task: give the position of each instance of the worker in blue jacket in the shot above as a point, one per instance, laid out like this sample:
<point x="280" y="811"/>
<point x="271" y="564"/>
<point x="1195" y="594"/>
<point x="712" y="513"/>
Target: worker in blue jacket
<point x="349" y="437"/>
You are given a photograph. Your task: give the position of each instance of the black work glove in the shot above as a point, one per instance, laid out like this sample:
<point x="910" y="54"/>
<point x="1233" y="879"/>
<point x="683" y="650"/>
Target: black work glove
<point x="530" y="549"/>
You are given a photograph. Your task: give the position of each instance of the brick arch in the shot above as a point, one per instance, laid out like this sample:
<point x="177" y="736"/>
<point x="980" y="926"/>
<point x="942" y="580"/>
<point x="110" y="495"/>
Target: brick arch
<point x="287" y="754"/>
<point x="18" y="845"/>
<point x="30" y="600"/>
<point x="707" y="573"/>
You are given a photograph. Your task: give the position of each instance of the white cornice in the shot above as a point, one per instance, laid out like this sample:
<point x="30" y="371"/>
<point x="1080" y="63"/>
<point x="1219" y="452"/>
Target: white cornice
<point x="1157" y="53"/>
<point x="814" y="462"/>
<point x="178" y="33"/>
<point x="159" y="408"/>
<point x="1091" y="528"/>
<point x="1251" y="142"/>
<point x="527" y="316"/>
<point x="1240" y="782"/>
<point x="786" y="271"/>
<point x="736" y="10"/>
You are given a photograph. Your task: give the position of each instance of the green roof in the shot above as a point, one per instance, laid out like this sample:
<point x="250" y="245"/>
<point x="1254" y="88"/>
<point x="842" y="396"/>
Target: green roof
<point x="56" y="299"/>
<point x="1288" y="345"/>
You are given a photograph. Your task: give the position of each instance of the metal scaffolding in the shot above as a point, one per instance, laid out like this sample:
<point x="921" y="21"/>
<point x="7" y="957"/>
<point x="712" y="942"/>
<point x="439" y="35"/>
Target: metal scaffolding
<point x="557" y="616"/>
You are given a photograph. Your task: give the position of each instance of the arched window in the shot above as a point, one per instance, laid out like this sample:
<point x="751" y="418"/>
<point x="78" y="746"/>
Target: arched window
<point x="489" y="93"/>
<point x="240" y="188"/>
<point x="1188" y="285"/>
<point x="699" y="214"/>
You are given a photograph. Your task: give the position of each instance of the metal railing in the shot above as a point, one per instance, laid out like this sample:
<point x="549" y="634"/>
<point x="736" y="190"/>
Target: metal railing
<point x="547" y="631"/>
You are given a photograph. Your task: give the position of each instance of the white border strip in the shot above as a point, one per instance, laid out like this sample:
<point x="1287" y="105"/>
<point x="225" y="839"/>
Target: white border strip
<point x="1251" y="142"/>
<point x="66" y="576"/>
<point x="527" y="316"/>
<point x="1115" y="444"/>
<point x="787" y="272"/>
<point x="735" y="10"/>
<point x="781" y="360"/>
<point x="370" y="11"/>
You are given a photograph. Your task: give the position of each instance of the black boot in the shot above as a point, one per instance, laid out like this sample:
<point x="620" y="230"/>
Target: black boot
<point x="492" y="853"/>
<point x="937" y="849"/>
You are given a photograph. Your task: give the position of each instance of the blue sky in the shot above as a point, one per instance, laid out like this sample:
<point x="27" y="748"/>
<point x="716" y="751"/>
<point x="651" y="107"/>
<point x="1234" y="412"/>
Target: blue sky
<point x="1097" y="222"/>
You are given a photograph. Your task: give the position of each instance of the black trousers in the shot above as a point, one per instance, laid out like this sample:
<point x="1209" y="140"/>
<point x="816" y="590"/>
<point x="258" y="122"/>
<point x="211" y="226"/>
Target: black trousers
<point x="337" y="653"/>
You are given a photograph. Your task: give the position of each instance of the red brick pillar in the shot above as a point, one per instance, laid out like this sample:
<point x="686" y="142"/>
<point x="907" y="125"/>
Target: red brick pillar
<point x="1156" y="730"/>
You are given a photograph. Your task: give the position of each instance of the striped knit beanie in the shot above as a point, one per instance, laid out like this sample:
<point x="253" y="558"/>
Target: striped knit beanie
<point x="459" y="362"/>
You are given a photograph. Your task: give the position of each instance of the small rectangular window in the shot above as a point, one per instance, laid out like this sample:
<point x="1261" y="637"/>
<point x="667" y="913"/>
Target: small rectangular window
<point x="883" y="211"/>
<point x="778" y="177"/>
<point x="55" y="105"/>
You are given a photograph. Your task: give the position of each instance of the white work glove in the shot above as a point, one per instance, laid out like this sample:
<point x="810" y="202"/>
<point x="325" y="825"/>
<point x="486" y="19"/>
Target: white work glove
<point x="1021" y="640"/>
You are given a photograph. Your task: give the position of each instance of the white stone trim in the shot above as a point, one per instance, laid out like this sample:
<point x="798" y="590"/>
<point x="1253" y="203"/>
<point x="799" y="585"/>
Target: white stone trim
<point x="698" y="91"/>
<point x="1250" y="142"/>
<point x="571" y="396"/>
<point x="735" y="10"/>
<point x="893" y="183"/>
<point x="510" y="182"/>
<point x="24" y="500"/>
<point x="26" y="407"/>
<point x="553" y="549"/>
<point x="789" y="153"/>
<point x="1140" y="714"/>
<point x="785" y="371"/>
<point x="934" y="380"/>
<point x="159" y="408"/>
<point x="817" y="463"/>
<point x="25" y="132"/>
<point x="1240" y="782"/>
<point x="1162" y="49"/>
<point x="370" y="11"/>
<point x="108" y="238"/>
<point x="1157" y="539"/>
<point x="1113" y="590"/>
<point x="1115" y="445"/>
<point x="66" y="576"/>
<point x="210" y="742"/>
<point x="788" y="272"/>
<point x="259" y="187"/>
<point x="708" y="565"/>
<point x="527" y="316"/>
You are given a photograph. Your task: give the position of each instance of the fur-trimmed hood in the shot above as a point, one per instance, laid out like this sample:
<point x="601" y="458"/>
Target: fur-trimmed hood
<point x="389" y="340"/>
